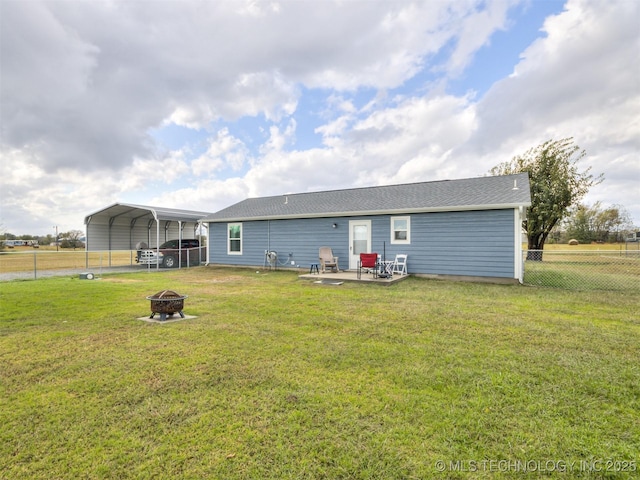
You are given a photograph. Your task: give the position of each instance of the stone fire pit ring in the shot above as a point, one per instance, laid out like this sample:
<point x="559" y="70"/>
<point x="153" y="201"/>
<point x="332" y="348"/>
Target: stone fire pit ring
<point x="167" y="302"/>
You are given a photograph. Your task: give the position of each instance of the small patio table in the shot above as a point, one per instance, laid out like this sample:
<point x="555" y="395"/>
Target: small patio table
<point x="386" y="267"/>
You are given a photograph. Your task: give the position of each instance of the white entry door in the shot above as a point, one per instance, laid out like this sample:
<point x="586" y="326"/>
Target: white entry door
<point x="359" y="240"/>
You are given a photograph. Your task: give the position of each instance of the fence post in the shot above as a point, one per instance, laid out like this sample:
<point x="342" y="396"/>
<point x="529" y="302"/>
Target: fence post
<point x="35" y="266"/>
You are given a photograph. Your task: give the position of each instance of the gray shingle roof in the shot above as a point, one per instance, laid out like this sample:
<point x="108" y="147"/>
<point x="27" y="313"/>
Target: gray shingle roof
<point x="480" y="193"/>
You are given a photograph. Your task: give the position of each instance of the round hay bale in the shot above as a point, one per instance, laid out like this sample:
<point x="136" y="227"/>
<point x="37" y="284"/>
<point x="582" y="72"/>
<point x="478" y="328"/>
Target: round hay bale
<point x="573" y="241"/>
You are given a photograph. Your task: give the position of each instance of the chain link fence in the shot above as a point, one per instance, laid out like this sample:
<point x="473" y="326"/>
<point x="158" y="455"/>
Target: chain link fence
<point x="40" y="263"/>
<point x="600" y="269"/>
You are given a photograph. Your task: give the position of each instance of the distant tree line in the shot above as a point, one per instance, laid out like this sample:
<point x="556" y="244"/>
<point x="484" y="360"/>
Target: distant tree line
<point x="589" y="224"/>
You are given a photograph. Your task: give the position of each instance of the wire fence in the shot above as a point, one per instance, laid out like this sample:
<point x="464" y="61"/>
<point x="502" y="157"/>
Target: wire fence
<point x="606" y="269"/>
<point x="39" y="263"/>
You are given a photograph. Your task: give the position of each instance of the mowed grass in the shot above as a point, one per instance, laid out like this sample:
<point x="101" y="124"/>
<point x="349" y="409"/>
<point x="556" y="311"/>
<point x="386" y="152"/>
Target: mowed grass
<point x="26" y="259"/>
<point x="282" y="378"/>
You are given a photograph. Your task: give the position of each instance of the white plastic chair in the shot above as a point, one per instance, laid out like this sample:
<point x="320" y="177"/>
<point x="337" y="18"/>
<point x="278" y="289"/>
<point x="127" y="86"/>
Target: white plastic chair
<point x="400" y="264"/>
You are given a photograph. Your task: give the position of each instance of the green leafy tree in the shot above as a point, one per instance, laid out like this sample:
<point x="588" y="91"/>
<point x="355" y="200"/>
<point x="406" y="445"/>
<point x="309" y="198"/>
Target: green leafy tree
<point x="579" y="225"/>
<point x="598" y="224"/>
<point x="556" y="185"/>
<point x="71" y="239"/>
<point x="613" y="221"/>
<point x="46" y="239"/>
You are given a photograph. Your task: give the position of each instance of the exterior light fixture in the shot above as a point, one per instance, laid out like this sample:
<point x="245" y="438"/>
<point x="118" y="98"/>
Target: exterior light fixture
<point x="335" y="225"/>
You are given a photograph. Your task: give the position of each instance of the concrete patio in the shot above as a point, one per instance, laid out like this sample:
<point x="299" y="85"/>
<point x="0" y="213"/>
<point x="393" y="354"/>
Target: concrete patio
<point x="351" y="276"/>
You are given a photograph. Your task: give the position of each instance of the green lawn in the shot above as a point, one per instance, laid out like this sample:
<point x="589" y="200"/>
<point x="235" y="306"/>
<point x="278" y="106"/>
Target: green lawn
<point x="285" y="379"/>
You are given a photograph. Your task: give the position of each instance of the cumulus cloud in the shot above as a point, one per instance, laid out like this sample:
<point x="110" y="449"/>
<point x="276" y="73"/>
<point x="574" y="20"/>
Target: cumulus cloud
<point x="578" y="81"/>
<point x="225" y="151"/>
<point x="355" y="90"/>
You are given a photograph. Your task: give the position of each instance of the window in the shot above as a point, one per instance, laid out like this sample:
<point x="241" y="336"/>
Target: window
<point x="234" y="243"/>
<point x="401" y="230"/>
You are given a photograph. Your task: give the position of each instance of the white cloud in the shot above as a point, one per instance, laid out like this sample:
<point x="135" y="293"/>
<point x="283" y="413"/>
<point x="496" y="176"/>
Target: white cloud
<point x="224" y="151"/>
<point x="277" y="139"/>
<point x="578" y="81"/>
<point x="475" y="31"/>
<point x="82" y="87"/>
<point x="266" y="93"/>
<point x="208" y="193"/>
<point x="196" y="117"/>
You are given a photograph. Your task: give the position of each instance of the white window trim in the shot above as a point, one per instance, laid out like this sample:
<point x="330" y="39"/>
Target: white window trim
<point x="393" y="239"/>
<point x="229" y="252"/>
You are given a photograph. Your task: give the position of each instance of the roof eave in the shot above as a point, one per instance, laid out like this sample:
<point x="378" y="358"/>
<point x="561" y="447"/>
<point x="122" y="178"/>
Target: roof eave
<point x="402" y="211"/>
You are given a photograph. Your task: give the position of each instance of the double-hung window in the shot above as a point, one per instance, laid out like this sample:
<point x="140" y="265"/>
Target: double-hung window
<point x="234" y="238"/>
<point x="401" y="230"/>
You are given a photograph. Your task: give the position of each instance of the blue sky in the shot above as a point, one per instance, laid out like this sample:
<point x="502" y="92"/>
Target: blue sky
<point x="200" y="105"/>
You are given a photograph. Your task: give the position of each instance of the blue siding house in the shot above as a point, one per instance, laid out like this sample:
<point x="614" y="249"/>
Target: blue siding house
<point x="463" y="228"/>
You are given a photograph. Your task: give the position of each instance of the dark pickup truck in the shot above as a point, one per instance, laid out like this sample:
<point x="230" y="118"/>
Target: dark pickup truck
<point x="169" y="253"/>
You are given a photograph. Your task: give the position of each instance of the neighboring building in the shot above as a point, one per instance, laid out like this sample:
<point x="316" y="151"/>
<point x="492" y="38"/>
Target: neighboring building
<point x="633" y="237"/>
<point x="469" y="227"/>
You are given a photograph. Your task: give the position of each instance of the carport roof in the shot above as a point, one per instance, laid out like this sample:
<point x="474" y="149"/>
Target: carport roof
<point x="131" y="211"/>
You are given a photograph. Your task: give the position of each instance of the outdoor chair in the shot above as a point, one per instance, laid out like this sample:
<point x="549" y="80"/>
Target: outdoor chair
<point x="327" y="260"/>
<point x="400" y="264"/>
<point x="369" y="263"/>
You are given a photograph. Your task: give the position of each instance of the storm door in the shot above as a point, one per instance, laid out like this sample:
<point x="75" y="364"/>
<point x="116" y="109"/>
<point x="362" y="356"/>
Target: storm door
<point x="359" y="240"/>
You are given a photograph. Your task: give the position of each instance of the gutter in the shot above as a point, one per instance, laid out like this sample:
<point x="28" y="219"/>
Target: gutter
<point x="398" y="211"/>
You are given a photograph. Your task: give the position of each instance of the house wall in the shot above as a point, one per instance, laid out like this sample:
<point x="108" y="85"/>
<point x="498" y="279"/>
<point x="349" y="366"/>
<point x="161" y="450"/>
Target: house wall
<point x="472" y="243"/>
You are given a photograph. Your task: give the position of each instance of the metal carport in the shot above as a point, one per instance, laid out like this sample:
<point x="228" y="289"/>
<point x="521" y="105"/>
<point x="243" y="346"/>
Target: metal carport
<point x="122" y="226"/>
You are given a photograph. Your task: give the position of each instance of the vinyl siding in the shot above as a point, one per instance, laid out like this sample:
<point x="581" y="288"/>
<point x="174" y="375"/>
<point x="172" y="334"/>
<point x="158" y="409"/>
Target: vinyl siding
<point x="300" y="237"/>
<point x="470" y="243"/>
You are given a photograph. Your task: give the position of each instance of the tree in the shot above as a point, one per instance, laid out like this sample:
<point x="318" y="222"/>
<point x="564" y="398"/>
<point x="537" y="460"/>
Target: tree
<point x="615" y="220"/>
<point x="71" y="239"/>
<point x="556" y="185"/>
<point x="580" y="224"/>
<point x="597" y="224"/>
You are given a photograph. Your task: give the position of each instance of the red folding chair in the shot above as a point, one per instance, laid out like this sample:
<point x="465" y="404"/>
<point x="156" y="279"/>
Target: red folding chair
<point x="369" y="263"/>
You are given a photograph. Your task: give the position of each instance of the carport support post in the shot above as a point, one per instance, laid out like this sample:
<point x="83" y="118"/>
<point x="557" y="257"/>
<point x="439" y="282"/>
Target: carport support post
<point x="157" y="241"/>
<point x="86" y="243"/>
<point x="111" y="220"/>
<point x="179" y="243"/>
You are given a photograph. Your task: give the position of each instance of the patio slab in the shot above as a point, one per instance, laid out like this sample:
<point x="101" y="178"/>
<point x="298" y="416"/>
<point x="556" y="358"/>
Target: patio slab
<point x="350" y="276"/>
<point x="170" y="319"/>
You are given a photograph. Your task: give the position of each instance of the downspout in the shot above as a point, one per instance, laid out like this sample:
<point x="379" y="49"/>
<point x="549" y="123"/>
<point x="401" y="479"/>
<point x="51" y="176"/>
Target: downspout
<point x="519" y="259"/>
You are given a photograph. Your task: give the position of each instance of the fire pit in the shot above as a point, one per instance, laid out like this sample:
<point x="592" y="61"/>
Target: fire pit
<point x="166" y="303"/>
